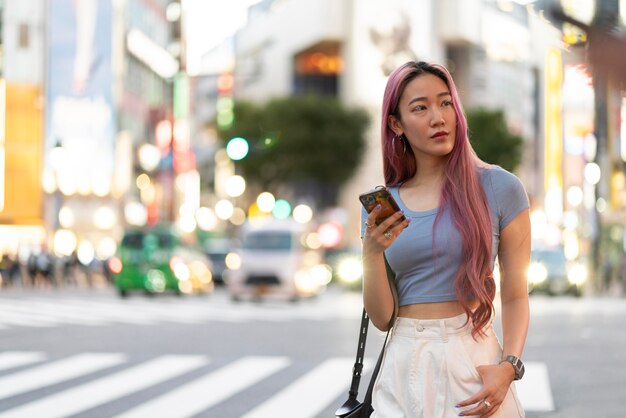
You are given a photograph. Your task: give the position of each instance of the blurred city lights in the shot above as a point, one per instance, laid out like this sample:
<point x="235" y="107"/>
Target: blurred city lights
<point x="104" y="218"/>
<point x="312" y="240"/>
<point x="85" y="252"/>
<point x="143" y="181"/>
<point x="233" y="261"/>
<point x="101" y="185"/>
<point x="206" y="219"/>
<point x="106" y="248"/>
<point x="66" y="183"/>
<point x="237" y="148"/>
<point x="330" y="234"/>
<point x="187" y="223"/>
<point x="592" y="173"/>
<point x="282" y="209"/>
<point x="135" y="214"/>
<point x="350" y="270"/>
<point x="538" y="223"/>
<point x="571" y="246"/>
<point x="149" y="157"/>
<point x="58" y="158"/>
<point x="575" y="196"/>
<point x="235" y="186"/>
<point x="48" y="182"/>
<point x="224" y="209"/>
<point x="66" y="217"/>
<point x="302" y="214"/>
<point x="115" y="265"/>
<point x="163" y="134"/>
<point x="239" y="217"/>
<point x="266" y="201"/>
<point x="64" y="242"/>
<point x="601" y="205"/>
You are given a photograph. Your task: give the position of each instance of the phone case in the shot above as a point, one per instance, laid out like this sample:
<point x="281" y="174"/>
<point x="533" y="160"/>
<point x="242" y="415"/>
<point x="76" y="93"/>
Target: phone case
<point x="381" y="195"/>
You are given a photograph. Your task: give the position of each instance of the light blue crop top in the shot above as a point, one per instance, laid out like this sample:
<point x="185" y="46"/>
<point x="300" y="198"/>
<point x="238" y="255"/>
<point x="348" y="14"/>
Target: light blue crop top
<point x="422" y="277"/>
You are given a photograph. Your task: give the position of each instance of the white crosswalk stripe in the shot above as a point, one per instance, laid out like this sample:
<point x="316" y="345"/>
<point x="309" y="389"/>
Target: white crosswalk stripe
<point x="11" y="360"/>
<point x="55" y="372"/>
<point x="107" y="388"/>
<point x="209" y="390"/>
<point x="534" y="389"/>
<point x="320" y="388"/>
<point x="316" y="390"/>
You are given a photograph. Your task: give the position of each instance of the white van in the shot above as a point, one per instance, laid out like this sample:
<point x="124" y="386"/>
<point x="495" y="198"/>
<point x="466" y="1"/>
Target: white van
<point x="274" y="260"/>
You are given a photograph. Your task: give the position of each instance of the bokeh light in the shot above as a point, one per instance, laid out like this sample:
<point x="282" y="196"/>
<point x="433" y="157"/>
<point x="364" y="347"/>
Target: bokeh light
<point x="224" y="209"/>
<point x="282" y="209"/>
<point x="266" y="201"/>
<point x="235" y="186"/>
<point x="238" y="217"/>
<point x="330" y="234"/>
<point x="302" y="214"/>
<point x="206" y="219"/>
<point x="592" y="173"/>
<point x="237" y="148"/>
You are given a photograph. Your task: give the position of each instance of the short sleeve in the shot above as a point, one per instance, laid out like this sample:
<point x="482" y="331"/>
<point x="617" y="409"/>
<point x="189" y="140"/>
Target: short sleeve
<point x="363" y="220"/>
<point x="511" y="197"/>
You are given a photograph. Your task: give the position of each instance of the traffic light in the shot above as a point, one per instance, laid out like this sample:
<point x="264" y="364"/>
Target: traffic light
<point x="225" y="104"/>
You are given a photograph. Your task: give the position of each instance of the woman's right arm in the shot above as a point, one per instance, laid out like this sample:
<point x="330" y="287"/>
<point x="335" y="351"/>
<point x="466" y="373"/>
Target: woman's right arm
<point x="377" y="296"/>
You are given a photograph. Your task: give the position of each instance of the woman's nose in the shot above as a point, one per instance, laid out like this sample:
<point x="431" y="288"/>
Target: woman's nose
<point x="437" y="118"/>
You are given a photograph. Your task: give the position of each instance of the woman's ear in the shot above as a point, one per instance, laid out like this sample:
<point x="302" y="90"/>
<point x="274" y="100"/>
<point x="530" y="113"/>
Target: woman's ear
<point x="395" y="125"/>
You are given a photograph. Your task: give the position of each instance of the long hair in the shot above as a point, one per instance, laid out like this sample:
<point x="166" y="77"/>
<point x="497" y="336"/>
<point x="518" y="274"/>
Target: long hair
<point x="462" y="192"/>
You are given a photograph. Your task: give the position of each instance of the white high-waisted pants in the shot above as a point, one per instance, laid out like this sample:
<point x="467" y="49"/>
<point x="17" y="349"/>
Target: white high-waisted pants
<point x="430" y="366"/>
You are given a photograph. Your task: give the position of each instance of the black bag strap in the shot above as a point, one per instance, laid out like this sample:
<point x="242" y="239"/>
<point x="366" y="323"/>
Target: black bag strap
<point x="357" y="370"/>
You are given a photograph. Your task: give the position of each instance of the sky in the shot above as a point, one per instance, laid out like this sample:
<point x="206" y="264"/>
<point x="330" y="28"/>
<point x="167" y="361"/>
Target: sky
<point x="208" y="23"/>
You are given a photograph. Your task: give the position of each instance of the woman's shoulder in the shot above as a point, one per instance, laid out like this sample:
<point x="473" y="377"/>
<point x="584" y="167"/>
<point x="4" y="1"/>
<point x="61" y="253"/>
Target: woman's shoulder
<point x="498" y="179"/>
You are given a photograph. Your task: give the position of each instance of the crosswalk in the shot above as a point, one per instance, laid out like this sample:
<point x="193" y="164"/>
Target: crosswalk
<point x="47" y="312"/>
<point x="38" y="311"/>
<point x="36" y="384"/>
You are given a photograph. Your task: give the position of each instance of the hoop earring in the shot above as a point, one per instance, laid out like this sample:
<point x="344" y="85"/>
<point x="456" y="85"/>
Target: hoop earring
<point x="402" y="139"/>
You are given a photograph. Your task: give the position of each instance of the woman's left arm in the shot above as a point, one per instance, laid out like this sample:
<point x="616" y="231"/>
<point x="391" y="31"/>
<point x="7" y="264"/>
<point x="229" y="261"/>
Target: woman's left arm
<point x="514" y="258"/>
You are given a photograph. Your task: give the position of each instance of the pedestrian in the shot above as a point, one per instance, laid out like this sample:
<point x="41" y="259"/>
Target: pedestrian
<point x="443" y="357"/>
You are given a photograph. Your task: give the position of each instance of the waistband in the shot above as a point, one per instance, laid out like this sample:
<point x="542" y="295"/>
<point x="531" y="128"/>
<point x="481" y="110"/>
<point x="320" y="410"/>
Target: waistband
<point x="432" y="328"/>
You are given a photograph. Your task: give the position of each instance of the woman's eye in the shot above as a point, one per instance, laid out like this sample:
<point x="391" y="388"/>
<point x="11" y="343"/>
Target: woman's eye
<point x="419" y="108"/>
<point x="447" y="103"/>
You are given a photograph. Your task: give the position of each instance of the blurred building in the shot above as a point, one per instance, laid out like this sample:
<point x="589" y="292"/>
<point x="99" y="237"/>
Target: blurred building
<point x="89" y="134"/>
<point x="495" y="50"/>
<point x="21" y="123"/>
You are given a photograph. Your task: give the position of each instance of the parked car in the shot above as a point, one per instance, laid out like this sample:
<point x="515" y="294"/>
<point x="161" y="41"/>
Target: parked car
<point x="273" y="260"/>
<point x="550" y="272"/>
<point x="154" y="260"/>
<point x="217" y="249"/>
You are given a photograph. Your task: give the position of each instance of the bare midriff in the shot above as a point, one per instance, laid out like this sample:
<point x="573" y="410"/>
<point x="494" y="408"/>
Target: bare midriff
<point x="436" y="310"/>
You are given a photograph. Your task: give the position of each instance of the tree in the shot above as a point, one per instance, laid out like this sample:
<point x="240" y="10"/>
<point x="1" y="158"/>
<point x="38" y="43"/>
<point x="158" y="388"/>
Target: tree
<point x="304" y="140"/>
<point x="492" y="140"/>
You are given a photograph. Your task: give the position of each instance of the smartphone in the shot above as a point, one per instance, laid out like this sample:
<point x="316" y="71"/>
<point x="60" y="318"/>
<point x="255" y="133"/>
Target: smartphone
<point x="381" y="196"/>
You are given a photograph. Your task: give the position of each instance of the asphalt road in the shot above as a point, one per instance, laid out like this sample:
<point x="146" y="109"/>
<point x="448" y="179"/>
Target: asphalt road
<point x="87" y="353"/>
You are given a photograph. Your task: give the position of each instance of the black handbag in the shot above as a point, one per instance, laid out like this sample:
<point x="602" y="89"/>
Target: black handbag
<point x="352" y="408"/>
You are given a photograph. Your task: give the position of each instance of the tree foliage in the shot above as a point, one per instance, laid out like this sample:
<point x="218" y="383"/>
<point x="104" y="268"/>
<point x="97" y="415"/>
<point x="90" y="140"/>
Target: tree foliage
<point x="492" y="140"/>
<point x="310" y="139"/>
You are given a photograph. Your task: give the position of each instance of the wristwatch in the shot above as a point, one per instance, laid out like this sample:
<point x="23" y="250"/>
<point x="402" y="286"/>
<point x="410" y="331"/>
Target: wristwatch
<point x="517" y="364"/>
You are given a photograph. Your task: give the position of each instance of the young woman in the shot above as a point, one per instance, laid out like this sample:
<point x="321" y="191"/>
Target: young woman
<point x="443" y="358"/>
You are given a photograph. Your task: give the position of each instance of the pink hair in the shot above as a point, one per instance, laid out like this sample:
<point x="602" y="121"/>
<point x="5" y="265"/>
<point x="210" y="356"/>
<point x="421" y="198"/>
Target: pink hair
<point x="462" y="192"/>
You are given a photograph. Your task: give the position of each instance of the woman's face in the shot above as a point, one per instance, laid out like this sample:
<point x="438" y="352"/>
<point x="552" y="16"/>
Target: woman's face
<point x="427" y="117"/>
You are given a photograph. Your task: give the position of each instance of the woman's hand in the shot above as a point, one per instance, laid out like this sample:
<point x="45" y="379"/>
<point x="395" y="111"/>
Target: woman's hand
<point x="378" y="238"/>
<point x="496" y="383"/>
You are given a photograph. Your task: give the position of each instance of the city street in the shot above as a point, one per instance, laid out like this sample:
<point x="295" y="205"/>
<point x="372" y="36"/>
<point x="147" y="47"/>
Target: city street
<point x="88" y="353"/>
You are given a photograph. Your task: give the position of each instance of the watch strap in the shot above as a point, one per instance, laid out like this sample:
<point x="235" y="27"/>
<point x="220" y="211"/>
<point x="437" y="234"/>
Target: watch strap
<point x="517" y="364"/>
